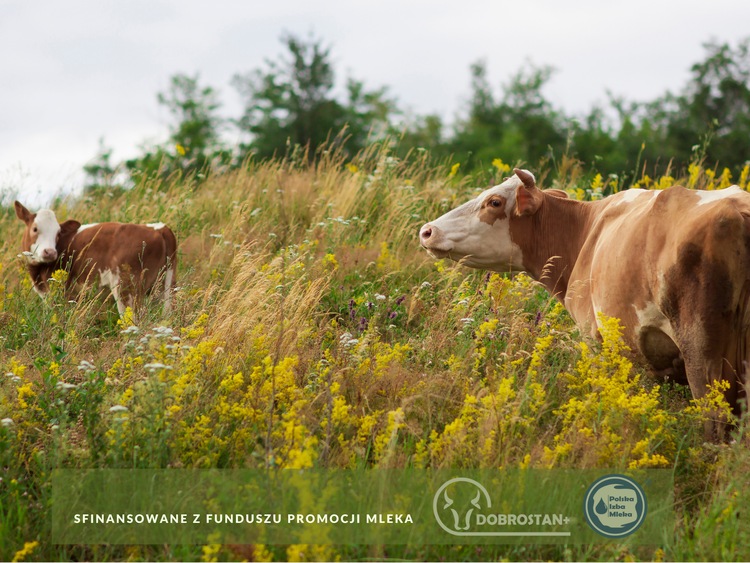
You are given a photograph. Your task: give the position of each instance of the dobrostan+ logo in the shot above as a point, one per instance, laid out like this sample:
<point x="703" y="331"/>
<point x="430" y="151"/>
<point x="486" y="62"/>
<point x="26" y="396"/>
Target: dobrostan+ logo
<point x="463" y="507"/>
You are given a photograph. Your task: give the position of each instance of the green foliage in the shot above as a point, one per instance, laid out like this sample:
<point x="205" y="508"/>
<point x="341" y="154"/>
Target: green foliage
<point x="715" y="103"/>
<point x="100" y="171"/>
<point x="194" y="143"/>
<point x="291" y="103"/>
<point x="521" y="126"/>
<point x="291" y="109"/>
<point x="194" y="110"/>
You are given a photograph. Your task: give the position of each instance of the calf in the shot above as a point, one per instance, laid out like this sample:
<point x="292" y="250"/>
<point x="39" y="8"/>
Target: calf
<point x="672" y="265"/>
<point x="129" y="259"/>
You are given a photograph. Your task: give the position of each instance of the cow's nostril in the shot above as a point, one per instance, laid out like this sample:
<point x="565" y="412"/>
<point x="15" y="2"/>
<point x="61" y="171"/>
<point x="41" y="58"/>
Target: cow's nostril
<point x="426" y="232"/>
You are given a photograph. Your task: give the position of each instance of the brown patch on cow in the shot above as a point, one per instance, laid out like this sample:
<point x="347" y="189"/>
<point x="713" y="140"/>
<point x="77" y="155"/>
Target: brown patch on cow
<point x="493" y="209"/>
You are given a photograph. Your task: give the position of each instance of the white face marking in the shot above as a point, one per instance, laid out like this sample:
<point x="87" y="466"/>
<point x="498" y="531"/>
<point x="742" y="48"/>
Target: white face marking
<point x="47" y="228"/>
<point x="462" y="236"/>
<point x="156" y="226"/>
<point x="715" y="195"/>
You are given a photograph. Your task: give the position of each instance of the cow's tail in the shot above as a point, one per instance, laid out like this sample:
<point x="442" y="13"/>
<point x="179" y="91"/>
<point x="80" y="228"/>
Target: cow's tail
<point x="170" y="271"/>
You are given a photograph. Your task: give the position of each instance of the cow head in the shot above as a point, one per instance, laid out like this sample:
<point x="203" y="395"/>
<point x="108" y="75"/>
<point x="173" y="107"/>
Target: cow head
<point x="478" y="233"/>
<point x="42" y="233"/>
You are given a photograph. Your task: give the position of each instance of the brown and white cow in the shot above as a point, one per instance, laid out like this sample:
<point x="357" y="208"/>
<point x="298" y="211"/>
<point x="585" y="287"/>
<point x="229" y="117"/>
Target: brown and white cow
<point x="129" y="259"/>
<point x="672" y="265"/>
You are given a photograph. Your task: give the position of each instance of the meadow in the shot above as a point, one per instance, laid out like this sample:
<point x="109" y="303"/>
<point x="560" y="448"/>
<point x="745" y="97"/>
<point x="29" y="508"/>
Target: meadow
<point x="310" y="330"/>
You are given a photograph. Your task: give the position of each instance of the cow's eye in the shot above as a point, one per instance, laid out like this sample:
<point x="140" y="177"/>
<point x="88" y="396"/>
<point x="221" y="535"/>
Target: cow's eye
<point x="495" y="203"/>
<point x="34" y="230"/>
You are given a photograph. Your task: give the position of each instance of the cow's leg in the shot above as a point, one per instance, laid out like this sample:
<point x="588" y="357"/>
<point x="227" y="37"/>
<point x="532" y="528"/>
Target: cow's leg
<point x="703" y="375"/>
<point x="168" y="285"/>
<point x="111" y="279"/>
<point x="704" y="343"/>
<point x="121" y="307"/>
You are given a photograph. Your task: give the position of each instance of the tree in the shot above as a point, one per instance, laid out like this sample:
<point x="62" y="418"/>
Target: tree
<point x="624" y="144"/>
<point x="422" y="133"/>
<point x="99" y="170"/>
<point x="478" y="136"/>
<point x="520" y="124"/>
<point x="535" y="126"/>
<point x="291" y="102"/>
<point x="194" y="109"/>
<point x="194" y="141"/>
<point x="716" y="105"/>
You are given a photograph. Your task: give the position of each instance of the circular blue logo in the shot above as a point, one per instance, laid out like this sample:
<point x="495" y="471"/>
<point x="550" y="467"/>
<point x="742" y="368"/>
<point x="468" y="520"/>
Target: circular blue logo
<point x="615" y="506"/>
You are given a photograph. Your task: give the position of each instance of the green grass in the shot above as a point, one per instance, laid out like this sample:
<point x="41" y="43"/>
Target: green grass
<point x="312" y="277"/>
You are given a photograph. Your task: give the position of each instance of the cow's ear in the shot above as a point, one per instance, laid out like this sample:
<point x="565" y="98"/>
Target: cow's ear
<point x="69" y="228"/>
<point x="22" y="213"/>
<point x="528" y="196"/>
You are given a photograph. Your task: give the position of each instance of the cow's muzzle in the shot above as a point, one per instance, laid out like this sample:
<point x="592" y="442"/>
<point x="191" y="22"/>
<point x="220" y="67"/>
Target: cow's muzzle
<point x="434" y="241"/>
<point x="43" y="256"/>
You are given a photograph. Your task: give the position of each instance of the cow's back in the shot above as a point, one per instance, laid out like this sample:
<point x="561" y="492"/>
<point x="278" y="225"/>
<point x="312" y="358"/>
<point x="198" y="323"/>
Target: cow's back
<point x="674" y="266"/>
<point x="137" y="254"/>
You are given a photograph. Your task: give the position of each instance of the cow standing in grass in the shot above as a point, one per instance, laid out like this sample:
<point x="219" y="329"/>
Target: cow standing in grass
<point x="672" y="265"/>
<point x="131" y="260"/>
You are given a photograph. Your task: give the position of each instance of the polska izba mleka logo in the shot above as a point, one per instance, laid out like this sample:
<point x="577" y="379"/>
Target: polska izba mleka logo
<point x="615" y="506"/>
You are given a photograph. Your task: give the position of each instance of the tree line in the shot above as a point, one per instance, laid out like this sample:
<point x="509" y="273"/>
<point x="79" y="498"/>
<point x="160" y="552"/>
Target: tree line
<point x="289" y="105"/>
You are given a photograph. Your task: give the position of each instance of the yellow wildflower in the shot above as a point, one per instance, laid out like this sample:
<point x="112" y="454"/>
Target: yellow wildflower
<point x="694" y="172"/>
<point x="28" y="548"/>
<point x="596" y="183"/>
<point x="725" y="180"/>
<point x="330" y="262"/>
<point x="500" y="165"/>
<point x="210" y="552"/>
<point x="25" y="391"/>
<point x="664" y="182"/>
<point x="743" y="181"/>
<point x="126" y="320"/>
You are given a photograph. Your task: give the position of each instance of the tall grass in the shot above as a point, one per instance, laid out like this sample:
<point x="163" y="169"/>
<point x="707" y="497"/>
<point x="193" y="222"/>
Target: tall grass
<point x="310" y="330"/>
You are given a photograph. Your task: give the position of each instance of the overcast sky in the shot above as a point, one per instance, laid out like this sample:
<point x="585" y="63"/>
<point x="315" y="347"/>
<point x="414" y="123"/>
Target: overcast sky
<point x="75" y="71"/>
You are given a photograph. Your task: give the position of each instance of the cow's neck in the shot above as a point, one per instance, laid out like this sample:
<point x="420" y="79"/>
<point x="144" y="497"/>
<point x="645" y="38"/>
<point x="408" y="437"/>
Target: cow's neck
<point x="40" y="274"/>
<point x="551" y="240"/>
